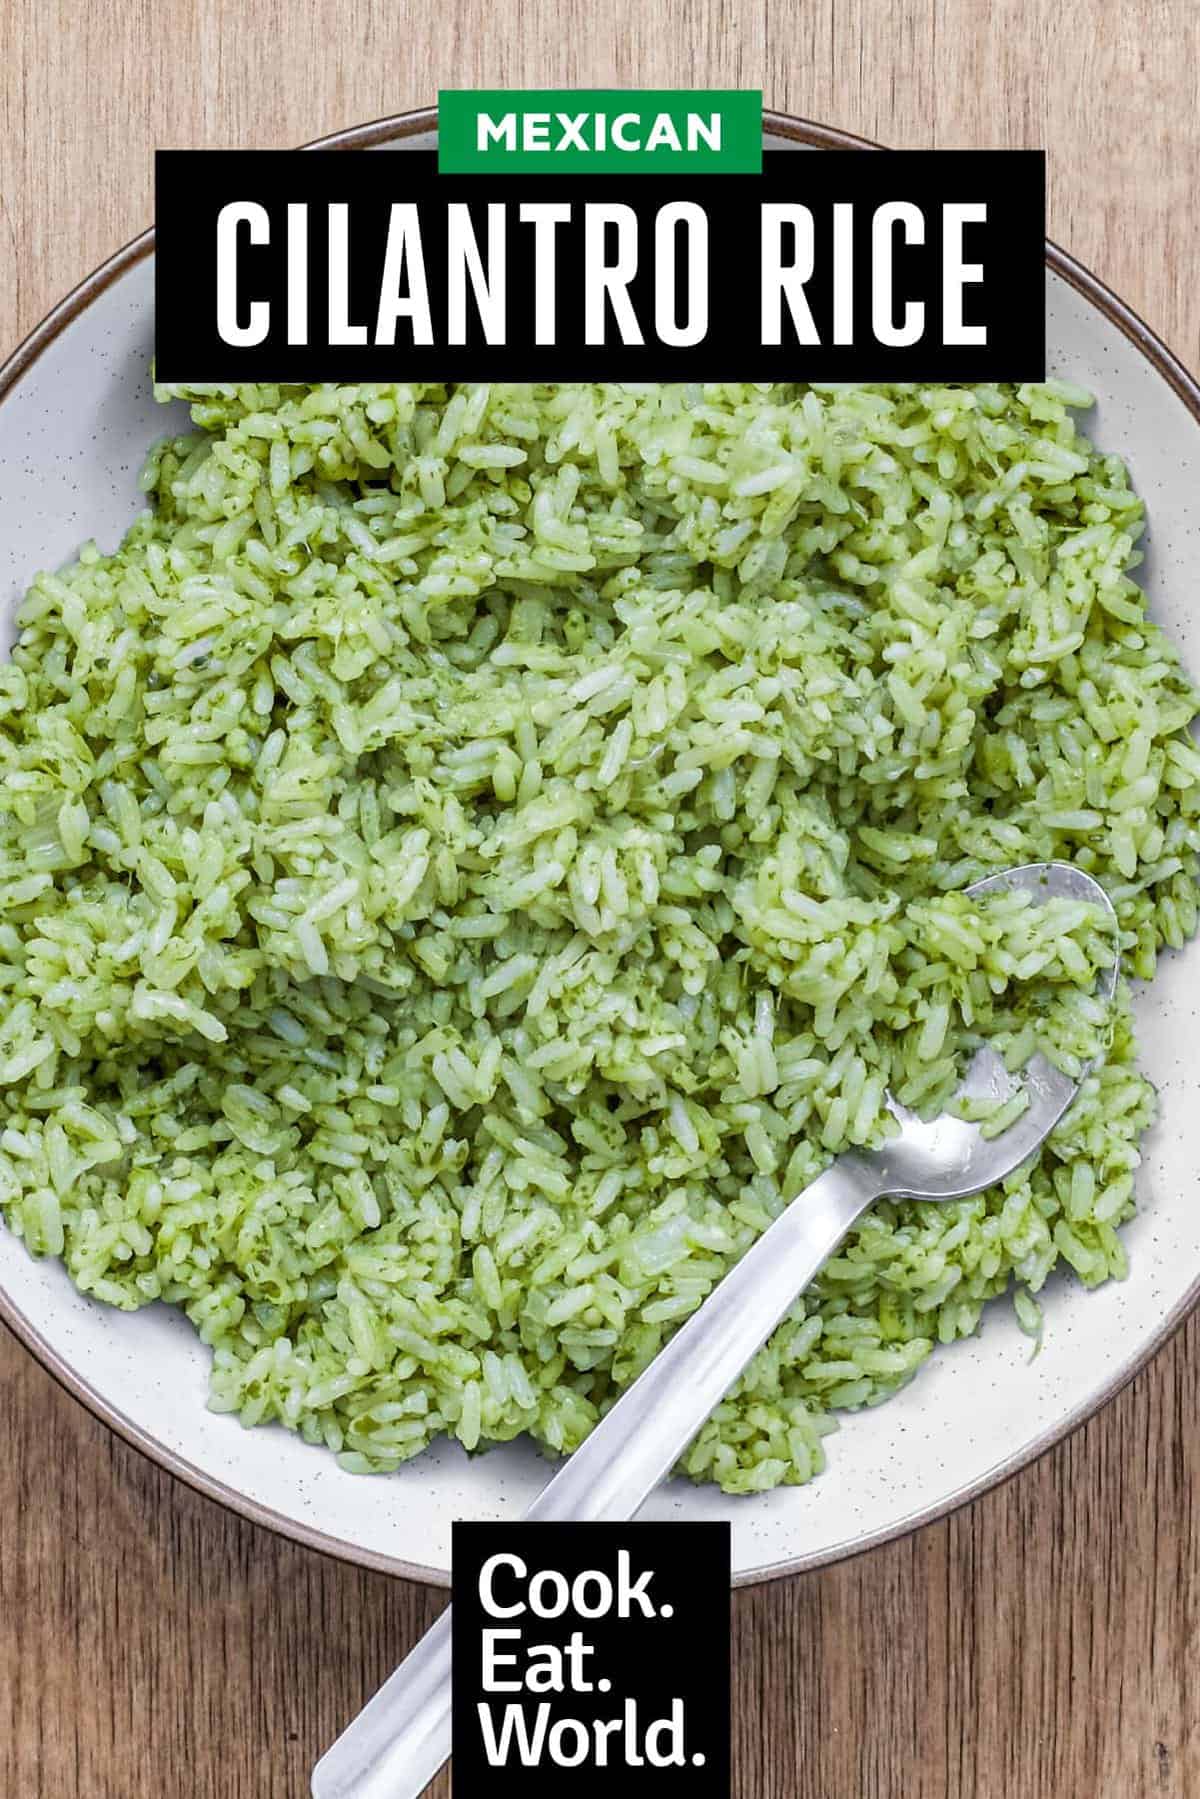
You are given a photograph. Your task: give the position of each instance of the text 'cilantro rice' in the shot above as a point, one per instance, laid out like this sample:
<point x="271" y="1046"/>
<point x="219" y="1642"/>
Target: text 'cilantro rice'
<point x="474" y="854"/>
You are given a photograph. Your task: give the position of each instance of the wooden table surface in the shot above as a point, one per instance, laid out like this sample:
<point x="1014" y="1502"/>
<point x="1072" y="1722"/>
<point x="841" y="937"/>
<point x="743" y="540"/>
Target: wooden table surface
<point x="1040" y="1643"/>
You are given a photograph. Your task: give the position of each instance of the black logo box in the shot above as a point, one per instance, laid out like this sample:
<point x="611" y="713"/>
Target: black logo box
<point x="655" y="1662"/>
<point x="194" y="185"/>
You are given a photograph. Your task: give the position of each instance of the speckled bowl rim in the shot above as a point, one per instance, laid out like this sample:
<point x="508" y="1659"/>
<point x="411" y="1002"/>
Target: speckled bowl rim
<point x="1166" y="364"/>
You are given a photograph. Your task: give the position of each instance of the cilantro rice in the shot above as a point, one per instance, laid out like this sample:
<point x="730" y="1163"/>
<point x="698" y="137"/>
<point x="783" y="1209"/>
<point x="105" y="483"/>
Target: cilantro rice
<point x="472" y="855"/>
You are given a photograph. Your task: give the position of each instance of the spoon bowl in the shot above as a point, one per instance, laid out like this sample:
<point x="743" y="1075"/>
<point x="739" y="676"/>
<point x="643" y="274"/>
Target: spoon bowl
<point x="947" y="1157"/>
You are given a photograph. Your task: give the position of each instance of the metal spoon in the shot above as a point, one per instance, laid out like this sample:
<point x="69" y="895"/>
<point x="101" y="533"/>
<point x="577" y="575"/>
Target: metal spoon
<point x="398" y="1742"/>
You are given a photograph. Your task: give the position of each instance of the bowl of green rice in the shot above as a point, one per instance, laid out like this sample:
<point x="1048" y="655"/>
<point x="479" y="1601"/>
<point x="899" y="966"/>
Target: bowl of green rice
<point x="473" y="853"/>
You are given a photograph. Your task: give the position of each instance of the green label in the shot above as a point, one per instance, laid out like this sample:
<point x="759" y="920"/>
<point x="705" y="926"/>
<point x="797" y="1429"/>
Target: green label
<point x="606" y="130"/>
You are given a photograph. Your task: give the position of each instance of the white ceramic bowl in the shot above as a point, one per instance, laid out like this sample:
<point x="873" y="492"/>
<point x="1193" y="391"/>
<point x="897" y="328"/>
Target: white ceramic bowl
<point x="76" y="417"/>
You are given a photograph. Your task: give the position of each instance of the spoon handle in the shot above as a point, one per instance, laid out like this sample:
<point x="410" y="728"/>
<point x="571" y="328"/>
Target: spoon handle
<point x="637" y="1443"/>
<point x="396" y="1745"/>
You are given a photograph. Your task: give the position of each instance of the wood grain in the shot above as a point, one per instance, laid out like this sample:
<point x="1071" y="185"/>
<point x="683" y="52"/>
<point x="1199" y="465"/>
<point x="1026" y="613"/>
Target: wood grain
<point x="1040" y="1643"/>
